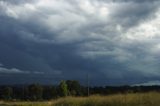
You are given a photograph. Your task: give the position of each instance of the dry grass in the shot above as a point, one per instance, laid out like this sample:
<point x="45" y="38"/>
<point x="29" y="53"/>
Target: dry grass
<point x="139" y="99"/>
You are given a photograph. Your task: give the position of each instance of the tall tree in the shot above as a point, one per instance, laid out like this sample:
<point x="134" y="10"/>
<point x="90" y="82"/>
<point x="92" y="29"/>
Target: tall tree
<point x="63" y="89"/>
<point x="49" y="92"/>
<point x="35" y="92"/>
<point x="7" y="93"/>
<point x="74" y="87"/>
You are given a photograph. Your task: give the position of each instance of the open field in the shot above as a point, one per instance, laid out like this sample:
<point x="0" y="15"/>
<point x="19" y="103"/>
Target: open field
<point x="139" y="99"/>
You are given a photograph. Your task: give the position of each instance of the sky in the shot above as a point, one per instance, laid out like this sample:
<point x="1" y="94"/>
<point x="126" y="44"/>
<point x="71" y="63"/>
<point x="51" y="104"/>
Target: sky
<point x="115" y="42"/>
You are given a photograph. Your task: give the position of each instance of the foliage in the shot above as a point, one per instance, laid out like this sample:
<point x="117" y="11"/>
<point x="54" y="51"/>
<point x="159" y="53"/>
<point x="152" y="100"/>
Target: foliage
<point x="63" y="89"/>
<point x="74" y="88"/>
<point x="7" y="93"/>
<point x="35" y="92"/>
<point x="49" y="92"/>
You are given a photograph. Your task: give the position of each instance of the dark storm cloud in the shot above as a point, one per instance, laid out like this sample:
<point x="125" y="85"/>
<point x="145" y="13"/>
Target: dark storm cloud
<point x="17" y="1"/>
<point x="55" y="40"/>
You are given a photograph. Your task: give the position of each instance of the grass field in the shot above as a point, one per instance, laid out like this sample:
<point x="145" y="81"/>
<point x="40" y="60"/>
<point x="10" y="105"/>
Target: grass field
<point x="139" y="99"/>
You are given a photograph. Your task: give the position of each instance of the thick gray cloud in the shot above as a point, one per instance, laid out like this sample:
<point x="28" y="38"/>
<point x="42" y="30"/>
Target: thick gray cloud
<point x="115" y="41"/>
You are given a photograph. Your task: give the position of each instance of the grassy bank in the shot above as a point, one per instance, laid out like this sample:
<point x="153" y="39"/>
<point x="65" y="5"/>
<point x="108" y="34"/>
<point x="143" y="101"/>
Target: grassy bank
<point x="139" y="99"/>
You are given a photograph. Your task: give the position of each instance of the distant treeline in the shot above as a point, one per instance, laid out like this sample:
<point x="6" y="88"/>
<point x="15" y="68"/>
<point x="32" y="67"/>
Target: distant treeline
<point x="36" y="92"/>
<point x="123" y="89"/>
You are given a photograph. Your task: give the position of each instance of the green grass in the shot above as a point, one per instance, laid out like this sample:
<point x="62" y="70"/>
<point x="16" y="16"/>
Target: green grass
<point x="139" y="99"/>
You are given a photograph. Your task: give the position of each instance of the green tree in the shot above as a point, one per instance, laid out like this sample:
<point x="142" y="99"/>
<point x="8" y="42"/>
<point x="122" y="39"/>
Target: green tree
<point x="35" y="92"/>
<point x="7" y="93"/>
<point x="74" y="87"/>
<point x="49" y="92"/>
<point x="25" y="93"/>
<point x="53" y="92"/>
<point x="63" y="89"/>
